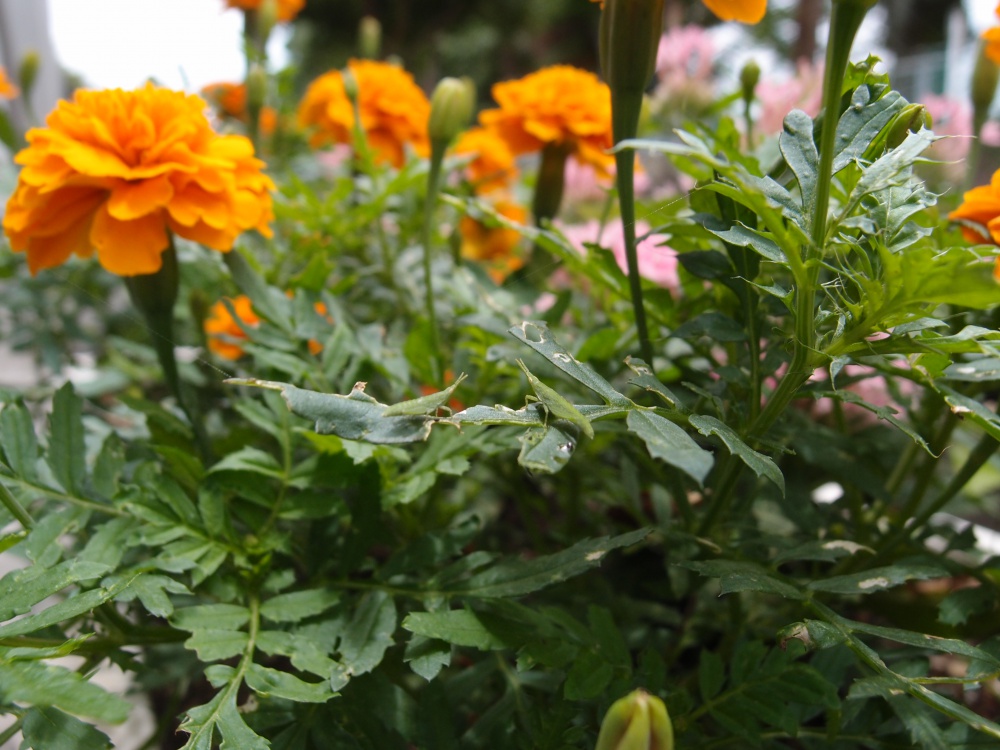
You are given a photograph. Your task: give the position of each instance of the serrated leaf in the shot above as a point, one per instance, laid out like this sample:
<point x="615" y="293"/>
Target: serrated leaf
<point x="65" y="454"/>
<point x="799" y="149"/>
<point x="47" y="728"/>
<point x="588" y="677"/>
<point x="427" y="656"/>
<point x="211" y="616"/>
<point x="17" y="438"/>
<point x="39" y="684"/>
<point x="461" y="627"/>
<point x="369" y="633"/>
<point x="711" y="675"/>
<point x="220" y="714"/>
<point x="512" y="578"/>
<point x="876" y="579"/>
<point x="743" y="576"/>
<point x="151" y="590"/>
<point x="823" y="551"/>
<point x="959" y="606"/>
<point x="644" y="378"/>
<point x="671" y="444"/>
<point x="743" y="236"/>
<point x="252" y="460"/>
<point x="919" y="722"/>
<point x="298" y="605"/>
<point x="273" y="682"/>
<point x="861" y="123"/>
<point x="761" y="465"/>
<point x="109" y="465"/>
<point x="213" y="644"/>
<point x="21" y="589"/>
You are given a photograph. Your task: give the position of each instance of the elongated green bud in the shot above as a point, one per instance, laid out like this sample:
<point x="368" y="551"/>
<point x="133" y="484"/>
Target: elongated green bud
<point x="28" y="72"/>
<point x="749" y="78"/>
<point x="452" y="104"/>
<point x="629" y="38"/>
<point x="639" y="721"/>
<point x="911" y="119"/>
<point x="370" y="38"/>
<point x="267" y="17"/>
<point x="984" y="88"/>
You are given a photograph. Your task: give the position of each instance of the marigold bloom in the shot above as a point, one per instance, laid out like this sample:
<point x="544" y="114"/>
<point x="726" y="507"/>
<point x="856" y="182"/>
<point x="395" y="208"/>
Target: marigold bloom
<point x="221" y="327"/>
<point x="230" y="101"/>
<point x="559" y="105"/>
<point x="981" y="206"/>
<point x="991" y="37"/>
<point x="7" y="89"/>
<point x="494" y="166"/>
<point x="287" y="9"/>
<point x="746" y="11"/>
<point x="494" y="246"/>
<point x="393" y="110"/>
<point x="113" y="171"/>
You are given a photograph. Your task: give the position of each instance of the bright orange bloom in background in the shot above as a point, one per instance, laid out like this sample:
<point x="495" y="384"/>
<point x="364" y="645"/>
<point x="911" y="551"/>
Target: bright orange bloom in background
<point x="113" y="171"/>
<point x="494" y="167"/>
<point x="992" y="39"/>
<point x="230" y="100"/>
<point x="494" y="246"/>
<point x="7" y="89"/>
<point x="393" y="109"/>
<point x="559" y="105"/>
<point x="981" y="206"/>
<point x="221" y="327"/>
<point x="287" y="9"/>
<point x="747" y="11"/>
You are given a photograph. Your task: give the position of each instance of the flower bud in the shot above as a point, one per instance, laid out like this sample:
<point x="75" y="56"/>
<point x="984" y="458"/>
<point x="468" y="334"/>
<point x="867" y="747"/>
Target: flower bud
<point x="984" y="88"/>
<point x="910" y="119"/>
<point x="369" y="38"/>
<point x="629" y="39"/>
<point x="452" y="104"/>
<point x="639" y="721"/>
<point x="28" y="72"/>
<point x="350" y="85"/>
<point x="256" y="87"/>
<point x="267" y="17"/>
<point x="749" y="78"/>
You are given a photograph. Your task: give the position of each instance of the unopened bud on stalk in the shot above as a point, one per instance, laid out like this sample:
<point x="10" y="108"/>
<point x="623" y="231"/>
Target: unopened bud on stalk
<point x="28" y="72"/>
<point x="369" y="38"/>
<point x="256" y="87"/>
<point x="452" y="104"/>
<point x="350" y="85"/>
<point x="267" y="17"/>
<point x="629" y="39"/>
<point x="984" y="88"/>
<point x="639" y="721"/>
<point x="749" y="78"/>
<point x="910" y="119"/>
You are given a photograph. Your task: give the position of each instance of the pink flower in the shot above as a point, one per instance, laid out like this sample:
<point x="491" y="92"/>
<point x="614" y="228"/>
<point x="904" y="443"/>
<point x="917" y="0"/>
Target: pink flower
<point x="684" y="60"/>
<point x="584" y="185"/>
<point x="657" y="262"/>
<point x="952" y="117"/>
<point x="778" y="98"/>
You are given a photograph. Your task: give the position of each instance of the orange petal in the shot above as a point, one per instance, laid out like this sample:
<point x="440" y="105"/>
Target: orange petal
<point x="746" y="11"/>
<point x="134" y="199"/>
<point x="129" y="248"/>
<point x="49" y="252"/>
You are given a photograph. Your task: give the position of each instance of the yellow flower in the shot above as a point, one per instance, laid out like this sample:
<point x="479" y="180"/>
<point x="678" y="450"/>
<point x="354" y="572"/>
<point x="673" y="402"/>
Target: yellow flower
<point x="747" y="11"/>
<point x="221" y="327"/>
<point x="494" y="246"/>
<point x="7" y="89"/>
<point x="560" y="105"/>
<point x="113" y="171"/>
<point x="287" y="9"/>
<point x="494" y="167"/>
<point x="393" y="110"/>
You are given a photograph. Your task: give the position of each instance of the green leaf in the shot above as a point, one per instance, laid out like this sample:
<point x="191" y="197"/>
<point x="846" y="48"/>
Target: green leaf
<point x="644" y="378"/>
<point x="220" y="714"/>
<point x="17" y="438"/>
<point x="427" y="656"/>
<point x="39" y="684"/>
<point x="821" y="551"/>
<point x="307" y="652"/>
<point x="253" y="460"/>
<point x="211" y="616"/>
<point x="546" y="450"/>
<point x="215" y="644"/>
<point x="862" y="122"/>
<point x="761" y="465"/>
<point x="517" y="577"/>
<point x="47" y="728"/>
<point x="877" y="579"/>
<point x="743" y="236"/>
<point x="919" y="722"/>
<point x="369" y="633"/>
<point x="22" y="589"/>
<point x="356" y="416"/>
<point x="109" y="466"/>
<point x="959" y="606"/>
<point x="799" y="149"/>
<point x="272" y="682"/>
<point x="461" y="627"/>
<point x="150" y="589"/>
<point x="711" y="675"/>
<point x="298" y="605"/>
<point x="555" y="404"/>
<point x="671" y="444"/>
<point x="588" y="677"/>
<point x="65" y="455"/>
<point x="743" y="576"/>
<point x="429" y="404"/>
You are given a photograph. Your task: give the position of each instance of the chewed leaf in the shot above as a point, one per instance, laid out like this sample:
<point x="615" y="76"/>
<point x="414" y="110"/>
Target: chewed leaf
<point x="545" y="450"/>
<point x="743" y="576"/>
<point x="877" y="579"/>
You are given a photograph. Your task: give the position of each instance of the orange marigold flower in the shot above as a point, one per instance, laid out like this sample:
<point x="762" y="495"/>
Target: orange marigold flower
<point x="981" y="208"/>
<point x="223" y="331"/>
<point x="991" y="37"/>
<point x="393" y="109"/>
<point x="7" y="89"/>
<point x="494" y="245"/>
<point x="113" y="171"/>
<point x="287" y="9"/>
<point x="494" y="167"/>
<point x="559" y="105"/>
<point x="747" y="11"/>
<point x="230" y="101"/>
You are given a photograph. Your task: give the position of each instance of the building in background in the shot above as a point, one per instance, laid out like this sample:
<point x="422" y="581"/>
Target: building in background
<point x="25" y="28"/>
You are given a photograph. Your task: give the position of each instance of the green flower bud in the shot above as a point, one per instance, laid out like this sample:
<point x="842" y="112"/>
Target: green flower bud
<point x="629" y="38"/>
<point x="984" y="88"/>
<point x="267" y="17"/>
<point x="28" y="72"/>
<point x="350" y="85"/>
<point x="452" y="104"/>
<point x="639" y="721"/>
<point x="910" y="119"/>
<point x="749" y="78"/>
<point x="370" y="38"/>
<point x="256" y="87"/>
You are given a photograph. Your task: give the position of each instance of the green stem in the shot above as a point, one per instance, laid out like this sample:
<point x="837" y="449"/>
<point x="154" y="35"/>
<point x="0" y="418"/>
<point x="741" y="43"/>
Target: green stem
<point x="8" y="734"/>
<point x="430" y="203"/>
<point x="626" y="106"/>
<point x="15" y="508"/>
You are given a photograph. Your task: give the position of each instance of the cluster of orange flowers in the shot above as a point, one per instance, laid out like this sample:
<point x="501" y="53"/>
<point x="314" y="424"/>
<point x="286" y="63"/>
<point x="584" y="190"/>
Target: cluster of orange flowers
<point x="746" y="11"/>
<point x="115" y="171"/>
<point x="225" y="332"/>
